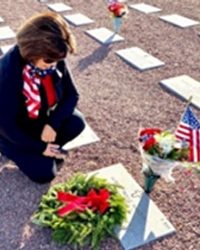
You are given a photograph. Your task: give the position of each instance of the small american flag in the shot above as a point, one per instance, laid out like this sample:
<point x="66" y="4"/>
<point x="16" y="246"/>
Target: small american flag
<point x="189" y="130"/>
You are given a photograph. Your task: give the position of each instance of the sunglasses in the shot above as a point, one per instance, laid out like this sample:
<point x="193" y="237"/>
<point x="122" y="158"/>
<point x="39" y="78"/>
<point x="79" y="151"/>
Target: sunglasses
<point x="48" y="61"/>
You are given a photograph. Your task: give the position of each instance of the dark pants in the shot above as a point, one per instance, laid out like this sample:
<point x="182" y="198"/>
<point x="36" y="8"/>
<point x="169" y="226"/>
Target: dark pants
<point x="37" y="167"/>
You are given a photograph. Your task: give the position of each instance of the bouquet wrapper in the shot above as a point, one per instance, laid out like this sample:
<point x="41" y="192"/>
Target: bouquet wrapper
<point x="154" y="167"/>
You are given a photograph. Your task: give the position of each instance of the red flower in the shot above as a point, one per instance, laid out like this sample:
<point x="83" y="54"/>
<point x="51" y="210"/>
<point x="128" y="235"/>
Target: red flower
<point x="149" y="131"/>
<point x="149" y="143"/>
<point x="118" y="9"/>
<point x="146" y="136"/>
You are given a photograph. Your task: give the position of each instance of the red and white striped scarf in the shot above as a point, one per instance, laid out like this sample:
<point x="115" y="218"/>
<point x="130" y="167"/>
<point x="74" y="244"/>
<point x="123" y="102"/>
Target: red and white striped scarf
<point x="31" y="91"/>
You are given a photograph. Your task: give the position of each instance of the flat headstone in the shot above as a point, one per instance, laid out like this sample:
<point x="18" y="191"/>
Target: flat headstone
<point x="183" y="86"/>
<point x="178" y="20"/>
<point x="139" y="58"/>
<point x="5" y="48"/>
<point x="1" y="20"/>
<point x="145" y="222"/>
<point x="104" y="35"/>
<point x="145" y="8"/>
<point x="87" y="136"/>
<point x="6" y="32"/>
<point x="59" y="7"/>
<point x="78" y="19"/>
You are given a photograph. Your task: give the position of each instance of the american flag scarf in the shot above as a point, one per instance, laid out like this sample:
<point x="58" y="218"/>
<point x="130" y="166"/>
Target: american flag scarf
<point x="32" y="77"/>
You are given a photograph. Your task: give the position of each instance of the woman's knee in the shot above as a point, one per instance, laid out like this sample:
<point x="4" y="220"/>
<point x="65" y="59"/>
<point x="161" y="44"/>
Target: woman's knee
<point x="39" y="169"/>
<point x="42" y="179"/>
<point x="79" y="123"/>
<point x="79" y="119"/>
<point x="76" y="123"/>
<point x="70" y="129"/>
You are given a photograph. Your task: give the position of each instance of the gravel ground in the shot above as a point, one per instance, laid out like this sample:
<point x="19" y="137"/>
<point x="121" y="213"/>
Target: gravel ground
<point x="116" y="100"/>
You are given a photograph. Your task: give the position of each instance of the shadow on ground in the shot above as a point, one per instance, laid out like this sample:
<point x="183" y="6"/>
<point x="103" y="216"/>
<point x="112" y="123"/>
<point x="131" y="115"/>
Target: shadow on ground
<point x="97" y="56"/>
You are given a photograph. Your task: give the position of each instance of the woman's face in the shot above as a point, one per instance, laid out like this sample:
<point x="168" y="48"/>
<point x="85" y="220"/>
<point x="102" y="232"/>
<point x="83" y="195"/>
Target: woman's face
<point x="42" y="64"/>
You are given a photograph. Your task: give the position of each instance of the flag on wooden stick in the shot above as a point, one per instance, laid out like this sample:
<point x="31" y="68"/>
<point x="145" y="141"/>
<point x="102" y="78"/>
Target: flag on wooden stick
<point x="189" y="130"/>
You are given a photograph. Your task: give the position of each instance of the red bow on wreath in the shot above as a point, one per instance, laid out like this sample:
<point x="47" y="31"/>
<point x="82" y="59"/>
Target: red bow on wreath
<point x="74" y="203"/>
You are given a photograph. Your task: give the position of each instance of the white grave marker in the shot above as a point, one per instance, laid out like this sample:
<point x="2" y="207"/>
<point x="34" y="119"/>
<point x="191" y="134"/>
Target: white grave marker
<point x="139" y="58"/>
<point x="1" y="20"/>
<point x="143" y="7"/>
<point x="78" y="19"/>
<point x="59" y="7"/>
<point x="86" y="137"/>
<point x="180" y="21"/>
<point x="6" y="48"/>
<point x="145" y="221"/>
<point x="184" y="86"/>
<point x="104" y="35"/>
<point x="6" y="32"/>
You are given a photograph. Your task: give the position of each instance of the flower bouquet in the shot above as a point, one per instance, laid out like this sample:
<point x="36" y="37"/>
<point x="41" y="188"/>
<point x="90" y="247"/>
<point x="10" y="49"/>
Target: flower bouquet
<point x="118" y="10"/>
<point x="161" y="153"/>
<point x="82" y="211"/>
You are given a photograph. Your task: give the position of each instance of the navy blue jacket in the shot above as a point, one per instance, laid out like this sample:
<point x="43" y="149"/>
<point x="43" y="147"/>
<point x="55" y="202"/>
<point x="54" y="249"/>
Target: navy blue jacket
<point x="16" y="128"/>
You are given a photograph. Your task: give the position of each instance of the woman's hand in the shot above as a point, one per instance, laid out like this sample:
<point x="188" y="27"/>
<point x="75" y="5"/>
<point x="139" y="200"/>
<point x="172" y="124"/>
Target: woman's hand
<point x="48" y="134"/>
<point x="52" y="150"/>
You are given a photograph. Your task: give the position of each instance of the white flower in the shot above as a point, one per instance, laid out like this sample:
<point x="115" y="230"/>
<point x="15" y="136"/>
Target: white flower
<point x="166" y="142"/>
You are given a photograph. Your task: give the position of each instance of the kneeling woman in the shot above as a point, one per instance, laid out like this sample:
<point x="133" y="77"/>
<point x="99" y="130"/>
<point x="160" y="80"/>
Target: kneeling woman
<point x="38" y="97"/>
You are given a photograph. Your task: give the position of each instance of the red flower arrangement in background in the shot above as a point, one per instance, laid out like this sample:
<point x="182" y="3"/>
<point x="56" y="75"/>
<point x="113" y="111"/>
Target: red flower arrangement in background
<point x="118" y="9"/>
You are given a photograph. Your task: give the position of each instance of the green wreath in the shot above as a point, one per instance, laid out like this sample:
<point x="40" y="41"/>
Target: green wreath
<point x="82" y="211"/>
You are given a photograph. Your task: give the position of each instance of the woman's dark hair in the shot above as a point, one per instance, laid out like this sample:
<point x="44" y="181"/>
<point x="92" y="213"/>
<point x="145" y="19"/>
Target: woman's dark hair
<point x="46" y="35"/>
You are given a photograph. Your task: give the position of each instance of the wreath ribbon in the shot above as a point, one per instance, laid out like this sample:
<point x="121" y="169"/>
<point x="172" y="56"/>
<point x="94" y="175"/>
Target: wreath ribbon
<point x="97" y="201"/>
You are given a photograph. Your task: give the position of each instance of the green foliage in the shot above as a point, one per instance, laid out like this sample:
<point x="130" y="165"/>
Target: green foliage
<point x="88" y="227"/>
